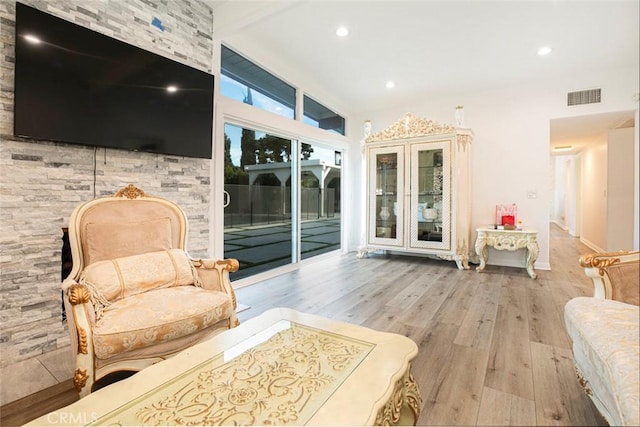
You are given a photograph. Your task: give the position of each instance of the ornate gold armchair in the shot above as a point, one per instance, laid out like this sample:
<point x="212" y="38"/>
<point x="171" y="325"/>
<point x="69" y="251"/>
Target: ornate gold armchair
<point x="134" y="296"/>
<point x="605" y="331"/>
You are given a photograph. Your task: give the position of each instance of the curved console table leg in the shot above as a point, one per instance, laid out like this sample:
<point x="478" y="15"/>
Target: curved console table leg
<point x="532" y="255"/>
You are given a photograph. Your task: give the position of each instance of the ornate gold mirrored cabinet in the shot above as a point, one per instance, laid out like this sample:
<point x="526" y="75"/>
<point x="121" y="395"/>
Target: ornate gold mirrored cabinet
<point x="419" y="190"/>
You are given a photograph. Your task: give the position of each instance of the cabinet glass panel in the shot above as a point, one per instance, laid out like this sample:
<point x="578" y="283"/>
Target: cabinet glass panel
<point x="430" y="196"/>
<point x="386" y="205"/>
<point x="430" y="190"/>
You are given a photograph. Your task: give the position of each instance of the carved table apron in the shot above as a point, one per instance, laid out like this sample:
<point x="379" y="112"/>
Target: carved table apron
<point x="280" y="368"/>
<point x="509" y="240"/>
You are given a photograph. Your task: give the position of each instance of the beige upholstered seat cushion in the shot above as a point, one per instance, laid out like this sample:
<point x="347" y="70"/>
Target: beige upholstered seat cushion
<point x="157" y="316"/>
<point x="606" y="349"/>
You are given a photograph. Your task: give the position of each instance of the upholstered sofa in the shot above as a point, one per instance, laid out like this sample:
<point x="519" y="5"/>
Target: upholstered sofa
<point x="606" y="336"/>
<point x="134" y="295"/>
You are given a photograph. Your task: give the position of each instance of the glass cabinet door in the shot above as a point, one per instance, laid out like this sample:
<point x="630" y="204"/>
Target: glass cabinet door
<point x="386" y="183"/>
<point x="430" y="196"/>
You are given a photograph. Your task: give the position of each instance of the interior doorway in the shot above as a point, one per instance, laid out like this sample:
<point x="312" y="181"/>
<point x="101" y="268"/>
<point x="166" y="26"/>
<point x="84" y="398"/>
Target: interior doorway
<point x="593" y="164"/>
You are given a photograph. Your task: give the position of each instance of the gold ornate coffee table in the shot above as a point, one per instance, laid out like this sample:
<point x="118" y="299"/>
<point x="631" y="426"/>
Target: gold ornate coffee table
<point x="280" y="368"/>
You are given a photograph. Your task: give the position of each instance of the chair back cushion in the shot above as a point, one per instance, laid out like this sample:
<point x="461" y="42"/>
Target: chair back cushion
<point x="122" y="277"/>
<point x="116" y="227"/>
<point x="105" y="241"/>
<point x="625" y="280"/>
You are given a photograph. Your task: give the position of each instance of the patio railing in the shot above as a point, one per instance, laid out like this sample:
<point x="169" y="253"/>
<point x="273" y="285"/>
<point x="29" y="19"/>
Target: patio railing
<point x="260" y="204"/>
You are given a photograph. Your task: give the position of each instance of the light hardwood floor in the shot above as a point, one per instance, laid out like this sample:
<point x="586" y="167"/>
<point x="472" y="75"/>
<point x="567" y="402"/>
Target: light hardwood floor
<point x="492" y="346"/>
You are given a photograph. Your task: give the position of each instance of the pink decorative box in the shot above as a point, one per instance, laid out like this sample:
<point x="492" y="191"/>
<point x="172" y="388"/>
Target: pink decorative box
<point x="506" y="214"/>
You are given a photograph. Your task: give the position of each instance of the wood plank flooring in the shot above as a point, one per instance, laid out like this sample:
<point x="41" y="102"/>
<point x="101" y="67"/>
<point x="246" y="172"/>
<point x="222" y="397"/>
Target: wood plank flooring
<point x="492" y="346"/>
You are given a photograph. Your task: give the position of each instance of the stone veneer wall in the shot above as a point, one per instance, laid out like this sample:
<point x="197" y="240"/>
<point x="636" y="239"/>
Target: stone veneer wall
<point x="42" y="182"/>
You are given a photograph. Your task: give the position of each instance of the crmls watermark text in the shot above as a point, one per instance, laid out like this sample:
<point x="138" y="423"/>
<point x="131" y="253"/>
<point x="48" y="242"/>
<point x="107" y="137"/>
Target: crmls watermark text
<point x="71" y="417"/>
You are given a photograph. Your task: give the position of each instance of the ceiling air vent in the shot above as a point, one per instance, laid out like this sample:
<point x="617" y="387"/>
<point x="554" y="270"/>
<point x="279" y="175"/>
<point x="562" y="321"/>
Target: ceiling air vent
<point x="591" y="96"/>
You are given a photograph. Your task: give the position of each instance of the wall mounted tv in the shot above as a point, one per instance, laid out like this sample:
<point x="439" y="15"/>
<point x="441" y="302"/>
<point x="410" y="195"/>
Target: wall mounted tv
<point x="78" y="86"/>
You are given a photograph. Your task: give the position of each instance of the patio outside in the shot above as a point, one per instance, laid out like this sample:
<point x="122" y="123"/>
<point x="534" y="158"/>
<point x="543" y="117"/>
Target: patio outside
<point x="263" y="247"/>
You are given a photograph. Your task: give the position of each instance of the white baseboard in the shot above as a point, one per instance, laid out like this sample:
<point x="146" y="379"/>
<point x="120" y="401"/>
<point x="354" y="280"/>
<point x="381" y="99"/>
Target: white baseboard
<point x="591" y="245"/>
<point x="559" y="224"/>
<point x="520" y="264"/>
<point x="242" y="307"/>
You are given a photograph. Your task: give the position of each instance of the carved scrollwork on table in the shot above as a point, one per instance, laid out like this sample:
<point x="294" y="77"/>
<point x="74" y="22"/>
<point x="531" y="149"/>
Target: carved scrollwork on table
<point x="281" y="381"/>
<point x="390" y="413"/>
<point x="406" y="395"/>
<point x="412" y="396"/>
<point x="508" y="242"/>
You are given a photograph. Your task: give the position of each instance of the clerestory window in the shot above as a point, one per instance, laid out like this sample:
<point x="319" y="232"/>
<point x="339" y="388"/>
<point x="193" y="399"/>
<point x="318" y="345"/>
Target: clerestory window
<point x="316" y="114"/>
<point x="245" y="81"/>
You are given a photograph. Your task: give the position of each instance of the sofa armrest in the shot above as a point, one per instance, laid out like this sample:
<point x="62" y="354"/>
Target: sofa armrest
<point x="214" y="275"/>
<point x="615" y="275"/>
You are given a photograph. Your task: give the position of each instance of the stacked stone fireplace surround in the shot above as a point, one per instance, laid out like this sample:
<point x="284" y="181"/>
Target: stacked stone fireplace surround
<point x="41" y="182"/>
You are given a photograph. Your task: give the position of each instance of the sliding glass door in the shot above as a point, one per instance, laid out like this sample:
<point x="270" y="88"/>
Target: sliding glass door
<point x="319" y="200"/>
<point x="275" y="215"/>
<point x="258" y="226"/>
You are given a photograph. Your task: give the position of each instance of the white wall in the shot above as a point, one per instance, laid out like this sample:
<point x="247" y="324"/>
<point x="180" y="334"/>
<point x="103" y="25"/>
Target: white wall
<point x="579" y="192"/>
<point x="570" y="196"/>
<point x="565" y="183"/>
<point x="620" y="189"/>
<point x="511" y="145"/>
<point x="636" y="180"/>
<point x="559" y="185"/>
<point x="594" y="195"/>
<point x="606" y="200"/>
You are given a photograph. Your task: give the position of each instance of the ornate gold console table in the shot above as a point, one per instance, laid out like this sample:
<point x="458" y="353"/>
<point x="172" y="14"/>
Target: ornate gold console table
<point x="280" y="368"/>
<point x="509" y="240"/>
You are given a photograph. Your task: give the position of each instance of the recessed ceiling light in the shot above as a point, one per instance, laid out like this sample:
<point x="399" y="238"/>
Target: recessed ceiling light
<point x="563" y="148"/>
<point x="390" y="84"/>
<point x="342" y="31"/>
<point x="172" y="89"/>
<point x="545" y="50"/>
<point x="32" y="39"/>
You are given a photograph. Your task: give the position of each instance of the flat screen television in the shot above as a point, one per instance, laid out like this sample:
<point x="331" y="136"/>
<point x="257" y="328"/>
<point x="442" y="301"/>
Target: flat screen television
<point x="75" y="85"/>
